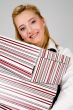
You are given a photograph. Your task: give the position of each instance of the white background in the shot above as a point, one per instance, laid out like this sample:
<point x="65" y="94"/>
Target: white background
<point x="58" y="15"/>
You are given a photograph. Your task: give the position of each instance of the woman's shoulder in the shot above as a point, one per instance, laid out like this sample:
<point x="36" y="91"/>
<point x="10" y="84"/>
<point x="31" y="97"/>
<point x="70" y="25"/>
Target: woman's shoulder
<point x="60" y="49"/>
<point x="65" y="51"/>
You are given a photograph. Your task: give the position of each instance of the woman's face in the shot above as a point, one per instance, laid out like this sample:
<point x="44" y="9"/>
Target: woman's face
<point x="31" y="27"/>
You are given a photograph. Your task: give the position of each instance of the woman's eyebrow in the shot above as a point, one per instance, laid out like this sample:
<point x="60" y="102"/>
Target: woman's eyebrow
<point x="31" y="19"/>
<point x="21" y="25"/>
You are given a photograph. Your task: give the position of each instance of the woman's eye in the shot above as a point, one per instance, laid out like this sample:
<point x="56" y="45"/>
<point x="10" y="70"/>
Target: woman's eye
<point x="33" y="21"/>
<point x="22" y="29"/>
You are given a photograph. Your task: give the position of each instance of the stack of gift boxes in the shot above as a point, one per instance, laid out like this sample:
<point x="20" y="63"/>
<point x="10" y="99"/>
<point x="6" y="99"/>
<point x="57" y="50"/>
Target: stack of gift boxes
<point x="29" y="75"/>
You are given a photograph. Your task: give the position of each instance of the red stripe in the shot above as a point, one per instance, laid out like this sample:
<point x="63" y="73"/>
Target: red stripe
<point x="18" y="44"/>
<point x="19" y="55"/>
<point x="19" y="103"/>
<point x="16" y="68"/>
<point x="38" y="98"/>
<point x="29" y="84"/>
<point x="49" y="75"/>
<point x="16" y="62"/>
<point x="37" y="71"/>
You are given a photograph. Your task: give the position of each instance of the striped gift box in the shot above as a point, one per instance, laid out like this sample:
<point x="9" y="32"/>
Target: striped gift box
<point x="50" y="67"/>
<point x="18" y="57"/>
<point x="29" y="75"/>
<point x="25" y="95"/>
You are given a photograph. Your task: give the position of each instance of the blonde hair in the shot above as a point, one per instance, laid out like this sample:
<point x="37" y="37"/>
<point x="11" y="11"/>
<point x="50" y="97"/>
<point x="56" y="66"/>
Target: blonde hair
<point x="33" y="8"/>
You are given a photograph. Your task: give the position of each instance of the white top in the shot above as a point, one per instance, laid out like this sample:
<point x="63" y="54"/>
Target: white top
<point x="65" y="98"/>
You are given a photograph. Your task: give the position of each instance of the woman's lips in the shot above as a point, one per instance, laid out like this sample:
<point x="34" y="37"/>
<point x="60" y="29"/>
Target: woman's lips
<point x="34" y="36"/>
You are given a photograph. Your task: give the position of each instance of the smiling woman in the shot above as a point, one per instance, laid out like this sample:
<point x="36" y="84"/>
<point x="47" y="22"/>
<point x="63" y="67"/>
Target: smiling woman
<point x="30" y="25"/>
<point x="31" y="28"/>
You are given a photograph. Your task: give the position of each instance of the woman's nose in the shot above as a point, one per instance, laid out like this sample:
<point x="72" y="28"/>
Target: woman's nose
<point x="29" y="29"/>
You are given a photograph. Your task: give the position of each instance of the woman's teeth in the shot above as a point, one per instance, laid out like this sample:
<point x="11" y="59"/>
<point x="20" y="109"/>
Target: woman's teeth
<point x="35" y="35"/>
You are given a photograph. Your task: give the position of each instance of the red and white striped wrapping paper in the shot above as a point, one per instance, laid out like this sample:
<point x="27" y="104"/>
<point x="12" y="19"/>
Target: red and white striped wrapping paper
<point x="29" y="75"/>
<point x="18" y="57"/>
<point x="25" y="95"/>
<point x="50" y="67"/>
